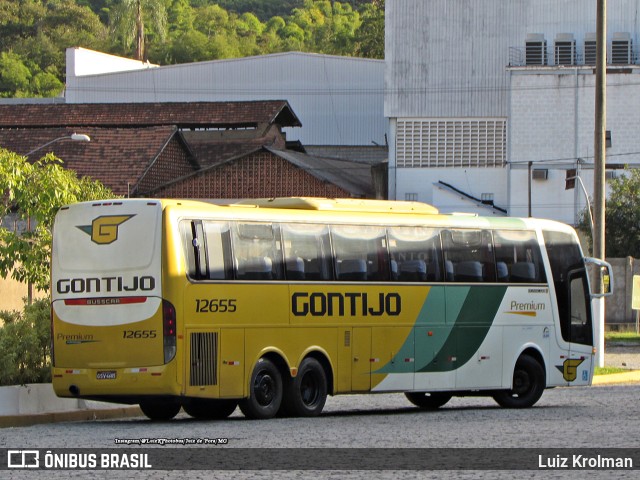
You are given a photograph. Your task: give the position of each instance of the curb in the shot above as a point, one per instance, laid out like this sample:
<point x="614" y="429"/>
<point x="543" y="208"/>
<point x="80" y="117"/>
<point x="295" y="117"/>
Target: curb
<point x="72" y="416"/>
<point x="617" y="378"/>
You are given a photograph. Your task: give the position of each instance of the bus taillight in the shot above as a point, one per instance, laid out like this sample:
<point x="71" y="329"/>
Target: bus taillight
<point x="169" y="330"/>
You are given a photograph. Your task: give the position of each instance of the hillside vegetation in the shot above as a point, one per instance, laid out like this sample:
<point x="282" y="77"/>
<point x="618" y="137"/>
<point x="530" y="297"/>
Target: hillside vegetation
<point x="34" y="34"/>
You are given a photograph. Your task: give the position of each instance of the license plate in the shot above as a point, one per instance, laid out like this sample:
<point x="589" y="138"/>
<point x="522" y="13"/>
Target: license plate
<point x="108" y="375"/>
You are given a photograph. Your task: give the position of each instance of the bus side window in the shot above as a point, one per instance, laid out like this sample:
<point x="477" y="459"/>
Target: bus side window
<point x="468" y="255"/>
<point x="360" y="253"/>
<point x="194" y="248"/>
<point x="415" y="254"/>
<point x="186" y="234"/>
<point x="218" y="239"/>
<point x="518" y="258"/>
<point x="307" y="252"/>
<point x="257" y="251"/>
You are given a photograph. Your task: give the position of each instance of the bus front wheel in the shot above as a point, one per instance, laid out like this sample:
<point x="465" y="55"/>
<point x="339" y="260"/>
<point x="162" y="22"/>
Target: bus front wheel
<point x="209" y="409"/>
<point x="529" y="381"/>
<point x="160" y="409"/>
<point x="428" y="401"/>
<point x="265" y="391"/>
<point x="306" y="393"/>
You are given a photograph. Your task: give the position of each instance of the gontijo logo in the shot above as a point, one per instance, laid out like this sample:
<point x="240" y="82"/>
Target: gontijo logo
<point x="104" y="230"/>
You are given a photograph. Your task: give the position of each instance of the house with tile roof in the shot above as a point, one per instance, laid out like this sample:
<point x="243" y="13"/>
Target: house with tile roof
<point x="183" y="149"/>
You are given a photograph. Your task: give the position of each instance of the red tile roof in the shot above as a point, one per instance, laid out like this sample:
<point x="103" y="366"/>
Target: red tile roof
<point x="116" y="157"/>
<point x="183" y="115"/>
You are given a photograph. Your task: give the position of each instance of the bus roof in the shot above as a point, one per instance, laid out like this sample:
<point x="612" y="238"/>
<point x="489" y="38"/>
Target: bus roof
<point x="341" y="204"/>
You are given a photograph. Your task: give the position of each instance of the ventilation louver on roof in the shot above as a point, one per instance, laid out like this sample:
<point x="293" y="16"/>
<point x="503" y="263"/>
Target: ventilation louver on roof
<point x="565" y="49"/>
<point x="535" y="49"/>
<point x="590" y="49"/>
<point x="621" y="52"/>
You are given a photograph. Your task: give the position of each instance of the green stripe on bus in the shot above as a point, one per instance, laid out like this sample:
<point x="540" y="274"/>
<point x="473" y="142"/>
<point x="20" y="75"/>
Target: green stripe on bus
<point x="469" y="330"/>
<point x="448" y="333"/>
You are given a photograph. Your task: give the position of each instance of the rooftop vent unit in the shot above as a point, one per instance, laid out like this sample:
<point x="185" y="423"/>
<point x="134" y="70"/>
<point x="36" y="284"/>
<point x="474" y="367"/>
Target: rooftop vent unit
<point x="565" y="49"/>
<point x="621" y="52"/>
<point x="590" y="49"/>
<point x="535" y="49"/>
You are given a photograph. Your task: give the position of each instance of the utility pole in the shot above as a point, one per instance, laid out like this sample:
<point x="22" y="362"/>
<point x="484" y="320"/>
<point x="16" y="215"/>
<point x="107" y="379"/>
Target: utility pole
<point x="599" y="164"/>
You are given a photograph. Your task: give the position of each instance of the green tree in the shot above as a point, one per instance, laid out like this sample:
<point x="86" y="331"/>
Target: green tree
<point x="25" y="340"/>
<point x="622" y="217"/>
<point x="34" y="192"/>
<point x="329" y="27"/>
<point x="15" y="76"/>
<point x="128" y="17"/>
<point x="370" y="35"/>
<point x="35" y="34"/>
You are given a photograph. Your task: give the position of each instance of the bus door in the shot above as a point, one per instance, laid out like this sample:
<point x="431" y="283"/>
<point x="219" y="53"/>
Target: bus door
<point x="574" y="308"/>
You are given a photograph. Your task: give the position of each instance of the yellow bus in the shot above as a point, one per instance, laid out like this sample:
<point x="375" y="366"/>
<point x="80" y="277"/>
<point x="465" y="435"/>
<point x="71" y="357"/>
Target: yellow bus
<point x="273" y="304"/>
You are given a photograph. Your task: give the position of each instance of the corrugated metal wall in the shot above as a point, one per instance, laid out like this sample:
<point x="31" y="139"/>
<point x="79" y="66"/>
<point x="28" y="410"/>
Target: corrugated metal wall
<point x="339" y="100"/>
<point x="449" y="57"/>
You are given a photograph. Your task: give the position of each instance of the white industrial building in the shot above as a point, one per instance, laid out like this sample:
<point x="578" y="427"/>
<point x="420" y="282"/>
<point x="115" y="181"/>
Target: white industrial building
<point x="471" y="98"/>
<point x="474" y="91"/>
<point x="339" y="100"/>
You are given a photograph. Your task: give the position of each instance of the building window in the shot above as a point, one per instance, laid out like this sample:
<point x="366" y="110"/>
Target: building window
<point x="487" y="198"/>
<point x="411" y="197"/>
<point x="460" y="143"/>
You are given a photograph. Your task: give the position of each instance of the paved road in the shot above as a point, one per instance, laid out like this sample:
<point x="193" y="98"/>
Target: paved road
<point x="622" y="356"/>
<point x="596" y="417"/>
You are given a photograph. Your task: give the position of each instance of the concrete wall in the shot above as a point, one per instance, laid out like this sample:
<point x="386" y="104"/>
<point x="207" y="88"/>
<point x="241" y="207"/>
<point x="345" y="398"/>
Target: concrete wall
<point x="12" y="294"/>
<point x="551" y="125"/>
<point x="38" y="398"/>
<point x="619" y="313"/>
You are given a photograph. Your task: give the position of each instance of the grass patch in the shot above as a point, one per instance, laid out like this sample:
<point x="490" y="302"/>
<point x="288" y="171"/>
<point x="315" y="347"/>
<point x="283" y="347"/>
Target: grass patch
<point x="608" y="370"/>
<point x="628" y="337"/>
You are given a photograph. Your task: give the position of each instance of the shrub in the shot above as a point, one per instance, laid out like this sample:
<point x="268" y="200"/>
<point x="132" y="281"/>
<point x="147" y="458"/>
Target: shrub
<point x="25" y="345"/>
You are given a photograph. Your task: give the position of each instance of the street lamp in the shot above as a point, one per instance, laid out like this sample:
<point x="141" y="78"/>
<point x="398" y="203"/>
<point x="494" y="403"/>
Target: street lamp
<point x="75" y="137"/>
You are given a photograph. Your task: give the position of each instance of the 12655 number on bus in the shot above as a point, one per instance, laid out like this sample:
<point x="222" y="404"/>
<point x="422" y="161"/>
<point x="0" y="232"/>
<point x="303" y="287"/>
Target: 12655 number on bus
<point x="216" y="305"/>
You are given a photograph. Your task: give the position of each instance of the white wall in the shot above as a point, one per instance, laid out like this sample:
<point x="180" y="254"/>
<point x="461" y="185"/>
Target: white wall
<point x="474" y="181"/>
<point x="81" y="62"/>
<point x="450" y="58"/>
<point x="552" y="125"/>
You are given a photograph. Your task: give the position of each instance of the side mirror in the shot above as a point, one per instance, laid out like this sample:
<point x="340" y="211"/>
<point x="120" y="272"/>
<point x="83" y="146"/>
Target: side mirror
<point x="600" y="277"/>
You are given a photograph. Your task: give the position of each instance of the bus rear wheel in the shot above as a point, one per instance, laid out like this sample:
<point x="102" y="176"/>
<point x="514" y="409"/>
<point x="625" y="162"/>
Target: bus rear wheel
<point x="306" y="393"/>
<point x="209" y="409"/>
<point x="265" y="391"/>
<point x="428" y="401"/>
<point x="529" y="381"/>
<point x="160" y="409"/>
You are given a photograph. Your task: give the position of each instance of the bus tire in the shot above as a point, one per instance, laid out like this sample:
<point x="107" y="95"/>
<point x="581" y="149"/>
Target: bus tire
<point x="209" y="409"/>
<point x="265" y="391"/>
<point x="529" y="382"/>
<point x="306" y="393"/>
<point x="428" y="401"/>
<point x="160" y="409"/>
